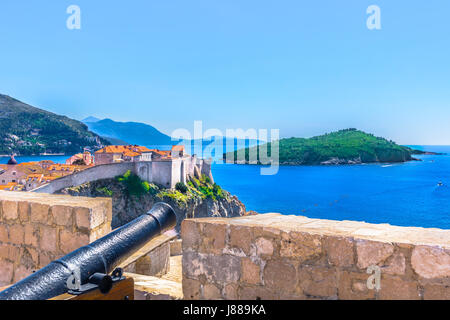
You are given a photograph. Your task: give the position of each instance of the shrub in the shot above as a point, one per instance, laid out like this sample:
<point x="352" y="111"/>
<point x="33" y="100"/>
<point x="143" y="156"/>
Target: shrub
<point x="134" y="185"/>
<point x="181" y="187"/>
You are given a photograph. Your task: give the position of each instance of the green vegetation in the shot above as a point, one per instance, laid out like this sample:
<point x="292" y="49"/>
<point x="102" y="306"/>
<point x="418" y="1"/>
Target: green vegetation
<point x="105" y="190"/>
<point x="180" y="186"/>
<point x="26" y="130"/>
<point x="134" y="185"/>
<point x="349" y="146"/>
<point x="196" y="188"/>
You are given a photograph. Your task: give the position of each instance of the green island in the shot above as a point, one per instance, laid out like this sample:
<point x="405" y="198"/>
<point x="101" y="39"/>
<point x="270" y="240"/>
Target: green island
<point x="348" y="146"/>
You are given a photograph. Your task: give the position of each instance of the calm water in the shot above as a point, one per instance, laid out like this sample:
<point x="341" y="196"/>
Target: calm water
<point x="400" y="194"/>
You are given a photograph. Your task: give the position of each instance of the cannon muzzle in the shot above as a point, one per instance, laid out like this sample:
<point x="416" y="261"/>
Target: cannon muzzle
<point x="93" y="263"/>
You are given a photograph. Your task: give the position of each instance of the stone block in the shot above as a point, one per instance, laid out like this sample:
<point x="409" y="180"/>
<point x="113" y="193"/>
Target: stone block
<point x="372" y="252"/>
<point x="214" y="236"/>
<point x="300" y="245"/>
<point x="436" y="292"/>
<point x="16" y="234"/>
<point x="241" y="238"/>
<point x="39" y="212"/>
<point x="21" y="272"/>
<point x="211" y="267"/>
<point x="353" y="286"/>
<point x="280" y="276"/>
<point x="71" y="241"/>
<point x="31" y="235"/>
<point x="48" y="239"/>
<point x="89" y="218"/>
<point x="190" y="234"/>
<point x="82" y="217"/>
<point x="191" y="289"/>
<point x="99" y="232"/>
<point x="4" y="235"/>
<point x="264" y="247"/>
<point x="24" y="211"/>
<point x="395" y="265"/>
<point x="431" y="262"/>
<point x="230" y="291"/>
<point x="10" y="210"/>
<point x="251" y="272"/>
<point x="44" y="259"/>
<point x="395" y="288"/>
<point x="11" y="252"/>
<point x="211" y="292"/>
<point x="256" y="293"/>
<point x="62" y="215"/>
<point x="6" y="274"/>
<point x="318" y="281"/>
<point x="340" y="251"/>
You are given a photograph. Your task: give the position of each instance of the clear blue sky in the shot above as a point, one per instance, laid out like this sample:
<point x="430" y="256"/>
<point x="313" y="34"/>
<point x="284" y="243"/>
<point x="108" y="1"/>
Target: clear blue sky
<point x="305" y="67"/>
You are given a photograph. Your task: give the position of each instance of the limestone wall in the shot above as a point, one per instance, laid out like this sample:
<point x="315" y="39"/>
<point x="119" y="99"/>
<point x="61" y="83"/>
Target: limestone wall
<point x="36" y="229"/>
<point x="272" y="256"/>
<point x="165" y="173"/>
<point x="104" y="171"/>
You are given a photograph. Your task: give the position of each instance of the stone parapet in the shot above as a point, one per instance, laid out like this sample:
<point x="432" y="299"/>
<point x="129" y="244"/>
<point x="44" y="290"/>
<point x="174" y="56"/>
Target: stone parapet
<point x="36" y="229"/>
<point x="273" y="256"/>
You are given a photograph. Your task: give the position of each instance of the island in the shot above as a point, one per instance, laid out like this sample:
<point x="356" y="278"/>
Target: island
<point x="348" y="146"/>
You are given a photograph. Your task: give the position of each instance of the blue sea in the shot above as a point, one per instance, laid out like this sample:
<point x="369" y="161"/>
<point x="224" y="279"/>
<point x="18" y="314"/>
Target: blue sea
<point x="405" y="194"/>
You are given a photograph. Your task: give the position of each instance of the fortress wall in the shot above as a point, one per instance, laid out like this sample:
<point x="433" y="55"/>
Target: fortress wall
<point x="36" y="229"/>
<point x="176" y="171"/>
<point x="104" y="171"/>
<point x="162" y="173"/>
<point x="271" y="256"/>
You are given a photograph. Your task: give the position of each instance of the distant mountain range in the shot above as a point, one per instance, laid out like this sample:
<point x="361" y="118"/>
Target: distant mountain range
<point x="26" y="130"/>
<point x="127" y="132"/>
<point x="142" y="134"/>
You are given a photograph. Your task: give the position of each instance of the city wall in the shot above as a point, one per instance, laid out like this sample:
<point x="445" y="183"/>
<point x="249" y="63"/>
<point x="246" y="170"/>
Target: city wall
<point x="272" y="256"/>
<point x="166" y="173"/>
<point x="36" y="229"/>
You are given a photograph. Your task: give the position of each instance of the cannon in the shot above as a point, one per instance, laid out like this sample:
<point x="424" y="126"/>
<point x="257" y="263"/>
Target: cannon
<point x="90" y="266"/>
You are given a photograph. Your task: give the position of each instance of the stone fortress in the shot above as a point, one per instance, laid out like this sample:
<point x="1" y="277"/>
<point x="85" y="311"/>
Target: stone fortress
<point x="164" y="168"/>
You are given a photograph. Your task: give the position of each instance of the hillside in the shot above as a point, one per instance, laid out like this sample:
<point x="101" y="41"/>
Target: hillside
<point x="349" y="146"/>
<point x="27" y="130"/>
<point x="131" y="132"/>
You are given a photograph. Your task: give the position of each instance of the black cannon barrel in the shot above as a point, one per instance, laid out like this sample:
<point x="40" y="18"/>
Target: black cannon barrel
<point x="101" y="256"/>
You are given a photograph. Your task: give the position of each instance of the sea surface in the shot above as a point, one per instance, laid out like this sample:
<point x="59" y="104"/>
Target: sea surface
<point x="405" y="194"/>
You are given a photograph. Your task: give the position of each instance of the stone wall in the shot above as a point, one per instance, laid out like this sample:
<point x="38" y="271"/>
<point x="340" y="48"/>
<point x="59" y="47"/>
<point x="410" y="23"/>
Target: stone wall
<point x="165" y="173"/>
<point x="271" y="256"/>
<point x="36" y="229"/>
<point x="104" y="171"/>
<point x="155" y="263"/>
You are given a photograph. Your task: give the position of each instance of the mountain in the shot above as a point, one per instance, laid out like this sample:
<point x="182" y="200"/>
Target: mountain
<point x="90" y="119"/>
<point x="349" y="146"/>
<point x="147" y="135"/>
<point x="27" y="130"/>
<point x="131" y="132"/>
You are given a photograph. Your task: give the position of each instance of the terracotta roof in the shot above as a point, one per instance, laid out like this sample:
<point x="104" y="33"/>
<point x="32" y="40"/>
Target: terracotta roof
<point x="178" y="148"/>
